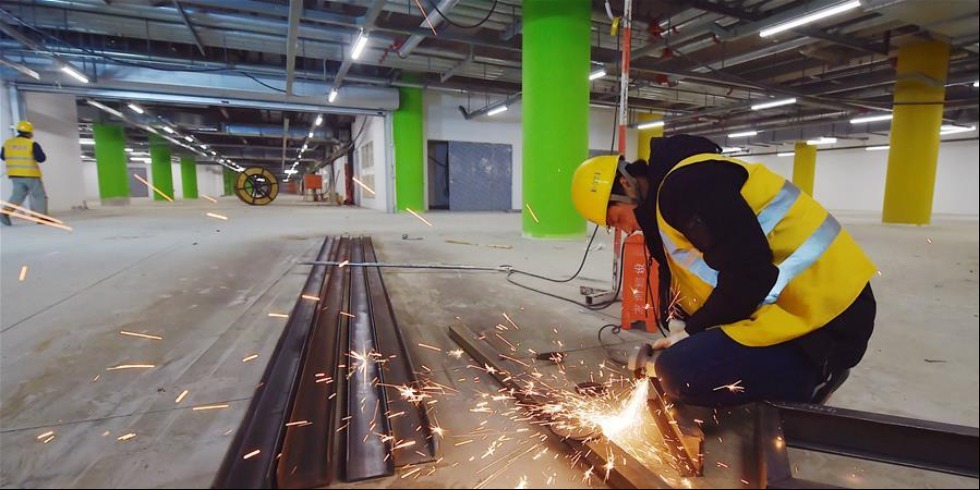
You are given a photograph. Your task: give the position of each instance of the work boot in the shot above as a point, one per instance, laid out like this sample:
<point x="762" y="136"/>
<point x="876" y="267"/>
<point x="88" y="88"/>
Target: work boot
<point x="823" y="391"/>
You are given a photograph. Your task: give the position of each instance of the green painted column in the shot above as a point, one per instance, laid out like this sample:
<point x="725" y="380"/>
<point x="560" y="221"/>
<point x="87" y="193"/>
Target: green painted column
<point x="805" y="166"/>
<point x="409" y="165"/>
<point x="229" y="177"/>
<point x="188" y="176"/>
<point x="555" y="107"/>
<point x="163" y="178"/>
<point x="110" y="161"/>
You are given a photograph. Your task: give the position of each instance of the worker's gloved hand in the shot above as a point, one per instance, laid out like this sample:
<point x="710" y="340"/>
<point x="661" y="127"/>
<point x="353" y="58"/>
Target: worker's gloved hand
<point x="676" y="333"/>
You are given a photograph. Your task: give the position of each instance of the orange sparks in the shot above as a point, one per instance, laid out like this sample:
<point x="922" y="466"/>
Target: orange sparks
<point x="531" y="211"/>
<point x="203" y="408"/>
<point x="458" y="353"/>
<point x="278" y="315"/>
<point x="463" y="443"/>
<point x="131" y="366"/>
<point x="252" y="454"/>
<point x="182" y="395"/>
<point x="343" y="264"/>
<point x="363" y="185"/>
<point x="301" y="423"/>
<point x="45" y="435"/>
<point x="419" y="217"/>
<point x="735" y="387"/>
<point x="31" y="213"/>
<point x="410" y="473"/>
<point x="430" y="347"/>
<point x="158" y="191"/>
<point x="23" y="274"/>
<point x="126" y="437"/>
<point x="48" y="439"/>
<point x="426" y="15"/>
<point x="929" y="240"/>
<point x="310" y="297"/>
<point x="96" y="378"/>
<point x="522" y="483"/>
<point x="250" y="358"/>
<point x="347" y="314"/>
<point x="403" y="445"/>
<point x="140" y="335"/>
<point x="216" y="216"/>
<point x="209" y="198"/>
<point x="27" y="217"/>
<point x="721" y="465"/>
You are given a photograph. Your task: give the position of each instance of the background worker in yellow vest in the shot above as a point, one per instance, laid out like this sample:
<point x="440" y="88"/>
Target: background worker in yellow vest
<point x="774" y="295"/>
<point x="22" y="154"/>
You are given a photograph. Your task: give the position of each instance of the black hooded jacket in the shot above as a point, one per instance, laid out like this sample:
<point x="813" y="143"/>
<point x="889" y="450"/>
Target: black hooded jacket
<point x="704" y="202"/>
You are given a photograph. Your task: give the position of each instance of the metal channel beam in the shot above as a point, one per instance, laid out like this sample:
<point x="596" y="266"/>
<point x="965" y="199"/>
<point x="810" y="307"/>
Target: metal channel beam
<point x="305" y="450"/>
<point x="627" y="472"/>
<point x="414" y="426"/>
<point x="368" y="455"/>
<point x="263" y="426"/>
<point x="901" y="441"/>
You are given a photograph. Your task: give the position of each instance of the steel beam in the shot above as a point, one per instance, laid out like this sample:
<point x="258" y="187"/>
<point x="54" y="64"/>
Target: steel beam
<point x="190" y="27"/>
<point x="265" y="420"/>
<point x="292" y="37"/>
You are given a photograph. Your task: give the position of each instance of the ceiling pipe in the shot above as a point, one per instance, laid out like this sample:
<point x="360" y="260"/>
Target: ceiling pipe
<point x="366" y="23"/>
<point x="292" y="38"/>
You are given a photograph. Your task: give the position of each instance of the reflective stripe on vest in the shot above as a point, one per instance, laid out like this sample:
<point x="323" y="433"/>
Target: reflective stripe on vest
<point x="769" y="217"/>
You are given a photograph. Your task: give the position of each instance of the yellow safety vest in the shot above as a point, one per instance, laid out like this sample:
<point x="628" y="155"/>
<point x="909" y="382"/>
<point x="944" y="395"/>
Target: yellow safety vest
<point x="18" y="154"/>
<point x="822" y="270"/>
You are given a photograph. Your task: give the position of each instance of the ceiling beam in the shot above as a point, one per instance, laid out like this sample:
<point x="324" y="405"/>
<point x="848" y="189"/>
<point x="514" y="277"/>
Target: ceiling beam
<point x="190" y="27"/>
<point x="292" y="38"/>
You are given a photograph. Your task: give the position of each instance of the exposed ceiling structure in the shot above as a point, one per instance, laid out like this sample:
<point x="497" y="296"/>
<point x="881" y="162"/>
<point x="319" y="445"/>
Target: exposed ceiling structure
<point x="249" y="78"/>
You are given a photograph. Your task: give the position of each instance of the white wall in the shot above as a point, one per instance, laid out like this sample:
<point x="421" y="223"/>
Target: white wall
<point x="854" y="180"/>
<point x="55" y="120"/>
<point x="444" y="122"/>
<point x="375" y="134"/>
<point x="209" y="180"/>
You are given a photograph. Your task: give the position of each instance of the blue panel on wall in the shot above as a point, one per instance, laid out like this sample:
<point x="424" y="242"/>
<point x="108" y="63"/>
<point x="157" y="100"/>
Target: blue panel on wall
<point x="479" y="176"/>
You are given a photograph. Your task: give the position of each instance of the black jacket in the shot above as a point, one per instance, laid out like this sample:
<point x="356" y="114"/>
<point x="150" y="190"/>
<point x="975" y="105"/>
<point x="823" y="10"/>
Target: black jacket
<point x="704" y="202"/>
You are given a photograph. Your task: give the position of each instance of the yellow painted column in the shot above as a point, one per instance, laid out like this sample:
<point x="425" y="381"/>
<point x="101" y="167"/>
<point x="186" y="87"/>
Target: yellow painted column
<point x="643" y="136"/>
<point x="920" y="93"/>
<point x="805" y="166"/>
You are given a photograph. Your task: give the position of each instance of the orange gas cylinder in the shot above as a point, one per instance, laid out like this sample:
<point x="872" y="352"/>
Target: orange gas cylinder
<point x="639" y="291"/>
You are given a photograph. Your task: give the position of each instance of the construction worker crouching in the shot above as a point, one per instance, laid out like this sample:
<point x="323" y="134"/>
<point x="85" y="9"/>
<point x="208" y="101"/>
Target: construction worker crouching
<point x="22" y="154"/>
<point x="774" y="295"/>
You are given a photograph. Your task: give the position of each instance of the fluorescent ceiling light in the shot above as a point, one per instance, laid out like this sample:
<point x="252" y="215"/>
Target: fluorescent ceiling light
<point x="77" y="75"/>
<point x="976" y="84"/>
<point x="497" y="110"/>
<point x="291" y="171"/>
<point x="129" y="150"/>
<point x="319" y="120"/>
<point x="105" y="108"/>
<point x="169" y="130"/>
<point x="597" y="74"/>
<point x="651" y="125"/>
<point x="822" y="141"/>
<point x="362" y="40"/>
<point x="871" y="119"/>
<point x="203" y="146"/>
<point x="188" y="138"/>
<point x="333" y="95"/>
<point x="785" y="154"/>
<point x="744" y="134"/>
<point x="877" y="148"/>
<point x="310" y="134"/>
<point x="86" y="141"/>
<point x="731" y="149"/>
<point x="137" y="109"/>
<point x="774" y="103"/>
<point x="948" y="129"/>
<point x="810" y="18"/>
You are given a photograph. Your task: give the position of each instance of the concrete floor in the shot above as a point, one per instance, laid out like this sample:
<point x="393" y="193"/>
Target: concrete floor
<point x="207" y="286"/>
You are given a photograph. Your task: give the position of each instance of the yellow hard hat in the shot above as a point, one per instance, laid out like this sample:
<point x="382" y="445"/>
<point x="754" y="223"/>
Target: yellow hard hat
<point x="25" y="127"/>
<point x="592" y="186"/>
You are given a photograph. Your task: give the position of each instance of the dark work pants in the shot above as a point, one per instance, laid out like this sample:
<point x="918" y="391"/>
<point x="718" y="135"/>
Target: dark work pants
<point x="700" y="369"/>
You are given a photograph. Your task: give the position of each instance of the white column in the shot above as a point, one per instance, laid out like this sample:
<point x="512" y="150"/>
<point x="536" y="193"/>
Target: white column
<point x="55" y="119"/>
